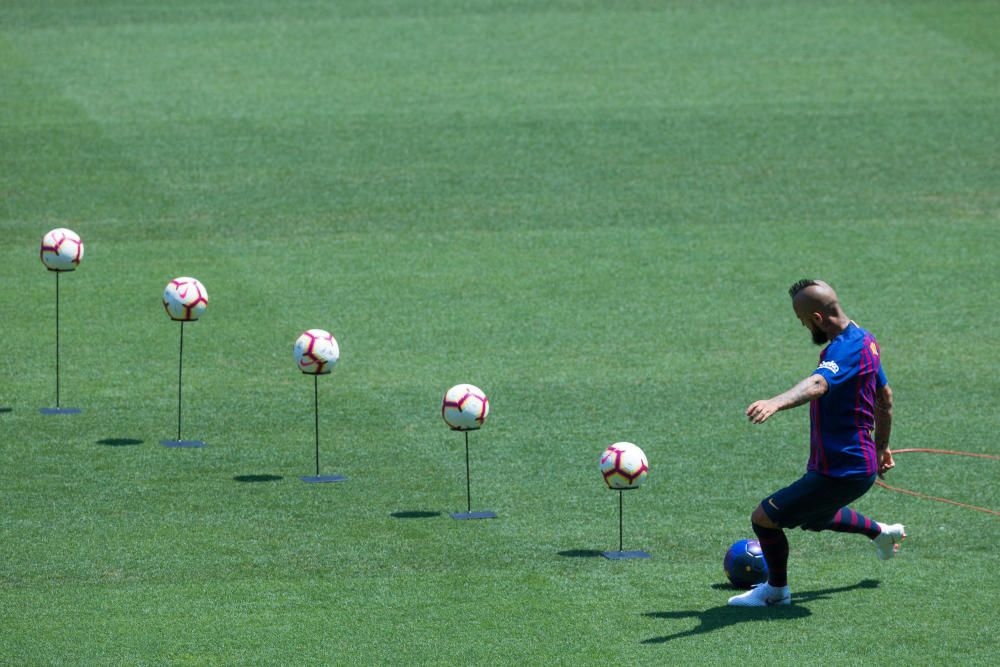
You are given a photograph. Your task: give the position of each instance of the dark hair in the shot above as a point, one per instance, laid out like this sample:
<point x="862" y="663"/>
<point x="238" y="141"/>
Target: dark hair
<point x="799" y="286"/>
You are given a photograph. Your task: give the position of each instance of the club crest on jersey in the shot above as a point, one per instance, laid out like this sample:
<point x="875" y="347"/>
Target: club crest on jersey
<point x="830" y="366"/>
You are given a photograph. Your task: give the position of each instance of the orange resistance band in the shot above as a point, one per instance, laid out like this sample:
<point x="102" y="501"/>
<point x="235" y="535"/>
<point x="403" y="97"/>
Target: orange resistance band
<point x="941" y="500"/>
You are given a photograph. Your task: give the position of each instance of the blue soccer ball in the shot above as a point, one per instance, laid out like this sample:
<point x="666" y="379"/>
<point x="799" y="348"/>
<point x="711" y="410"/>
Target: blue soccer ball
<point x="744" y="564"/>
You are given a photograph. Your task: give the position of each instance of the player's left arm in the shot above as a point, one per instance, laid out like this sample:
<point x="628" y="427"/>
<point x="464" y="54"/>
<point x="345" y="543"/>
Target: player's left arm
<point x="809" y="389"/>
<point x="883" y="428"/>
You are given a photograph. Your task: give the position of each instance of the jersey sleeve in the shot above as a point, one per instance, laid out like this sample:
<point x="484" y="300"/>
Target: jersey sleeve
<point x="880" y="379"/>
<point x="840" y="363"/>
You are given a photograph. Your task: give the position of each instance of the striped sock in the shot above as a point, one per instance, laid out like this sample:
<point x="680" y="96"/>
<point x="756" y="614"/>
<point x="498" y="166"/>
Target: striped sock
<point x="774" y="544"/>
<point x="847" y="520"/>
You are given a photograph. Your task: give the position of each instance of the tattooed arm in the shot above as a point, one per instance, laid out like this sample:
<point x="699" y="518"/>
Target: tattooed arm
<point x="809" y="389"/>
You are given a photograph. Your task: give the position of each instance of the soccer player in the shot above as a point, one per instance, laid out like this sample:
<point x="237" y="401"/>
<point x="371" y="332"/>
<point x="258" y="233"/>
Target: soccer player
<point x="850" y="413"/>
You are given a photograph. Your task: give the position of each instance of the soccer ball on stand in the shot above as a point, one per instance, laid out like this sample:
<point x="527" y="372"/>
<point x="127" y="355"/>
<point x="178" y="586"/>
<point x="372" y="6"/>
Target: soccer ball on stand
<point x="185" y="299"/>
<point x="61" y="250"/>
<point x="624" y="466"/>
<point x="316" y="351"/>
<point x="465" y="407"/>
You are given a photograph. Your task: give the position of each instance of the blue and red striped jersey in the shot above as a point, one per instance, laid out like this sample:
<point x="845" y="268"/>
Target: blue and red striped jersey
<point x="843" y="419"/>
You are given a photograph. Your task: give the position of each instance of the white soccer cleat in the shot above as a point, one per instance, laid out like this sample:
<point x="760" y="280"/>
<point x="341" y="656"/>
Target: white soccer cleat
<point x="887" y="542"/>
<point x="764" y="595"/>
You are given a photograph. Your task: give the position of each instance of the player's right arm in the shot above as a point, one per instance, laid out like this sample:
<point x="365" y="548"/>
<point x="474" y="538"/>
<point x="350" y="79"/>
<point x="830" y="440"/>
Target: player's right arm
<point x="883" y="428"/>
<point x="809" y="389"/>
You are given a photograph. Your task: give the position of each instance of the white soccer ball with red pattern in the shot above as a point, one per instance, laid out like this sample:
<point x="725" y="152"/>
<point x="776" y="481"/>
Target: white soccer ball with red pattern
<point x="185" y="299"/>
<point x="624" y="466"/>
<point x="61" y="250"/>
<point x="316" y="351"/>
<point x="465" y="407"/>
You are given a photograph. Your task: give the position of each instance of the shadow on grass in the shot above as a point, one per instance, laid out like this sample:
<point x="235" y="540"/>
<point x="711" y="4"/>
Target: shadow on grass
<point x="257" y="478"/>
<point x="414" y="514"/>
<point x="728" y="587"/>
<point x="581" y="553"/>
<point x="724" y="616"/>
<point x="120" y="442"/>
<point x="6" y="409"/>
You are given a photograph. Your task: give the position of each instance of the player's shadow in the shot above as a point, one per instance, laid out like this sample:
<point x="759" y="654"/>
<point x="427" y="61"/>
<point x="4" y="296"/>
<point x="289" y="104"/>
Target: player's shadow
<point x="724" y="616"/>
<point x="120" y="442"/>
<point x="6" y="409"/>
<point x="257" y="478"/>
<point x="414" y="514"/>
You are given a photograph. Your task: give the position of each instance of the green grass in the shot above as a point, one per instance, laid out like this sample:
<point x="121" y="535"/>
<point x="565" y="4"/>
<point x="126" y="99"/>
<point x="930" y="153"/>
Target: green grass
<point x="591" y="210"/>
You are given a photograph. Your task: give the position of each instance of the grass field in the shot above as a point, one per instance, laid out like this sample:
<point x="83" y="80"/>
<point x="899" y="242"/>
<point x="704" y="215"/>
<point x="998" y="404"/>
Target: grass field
<point x="592" y="211"/>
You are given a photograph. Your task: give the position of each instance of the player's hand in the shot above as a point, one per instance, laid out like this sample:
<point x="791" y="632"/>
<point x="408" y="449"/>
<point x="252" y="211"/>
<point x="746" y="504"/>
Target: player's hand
<point x="759" y="411"/>
<point x="885" y="463"/>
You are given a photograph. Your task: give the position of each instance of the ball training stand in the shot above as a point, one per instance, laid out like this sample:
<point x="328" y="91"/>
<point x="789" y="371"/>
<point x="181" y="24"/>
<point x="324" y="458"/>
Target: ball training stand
<point x="469" y="514"/>
<point x="621" y="554"/>
<point x="180" y="384"/>
<point x="317" y="478"/>
<point x="58" y="410"/>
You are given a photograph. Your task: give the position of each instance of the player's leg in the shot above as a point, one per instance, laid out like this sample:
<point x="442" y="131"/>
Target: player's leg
<point x="847" y="520"/>
<point x="811" y="502"/>
<point x="889" y="539"/>
<point x="774" y="544"/>
<point x="767" y="520"/>
<point x="885" y="537"/>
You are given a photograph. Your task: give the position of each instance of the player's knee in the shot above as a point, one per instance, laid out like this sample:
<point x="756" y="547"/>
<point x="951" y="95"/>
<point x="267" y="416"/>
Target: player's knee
<point x="761" y="518"/>
<point x="817" y="526"/>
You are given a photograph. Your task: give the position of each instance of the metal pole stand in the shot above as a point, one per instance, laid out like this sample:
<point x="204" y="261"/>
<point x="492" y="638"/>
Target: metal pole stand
<point x="620" y="554"/>
<point x="469" y="514"/>
<point x="180" y="384"/>
<point x="58" y="410"/>
<point x="317" y="478"/>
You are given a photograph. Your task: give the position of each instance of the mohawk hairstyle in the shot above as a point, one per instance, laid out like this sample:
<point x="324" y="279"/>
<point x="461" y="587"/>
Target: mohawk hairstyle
<point x="800" y="285"/>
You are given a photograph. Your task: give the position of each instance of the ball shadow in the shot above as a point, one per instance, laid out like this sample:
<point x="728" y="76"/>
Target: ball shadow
<point x="120" y="442"/>
<point x="257" y="478"/>
<point x="580" y="553"/>
<point x="414" y="514"/>
<point x="6" y="410"/>
<point x="727" y="587"/>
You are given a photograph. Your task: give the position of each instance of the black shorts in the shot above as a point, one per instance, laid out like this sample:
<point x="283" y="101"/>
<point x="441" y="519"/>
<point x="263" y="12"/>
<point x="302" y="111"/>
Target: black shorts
<point x="814" y="499"/>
